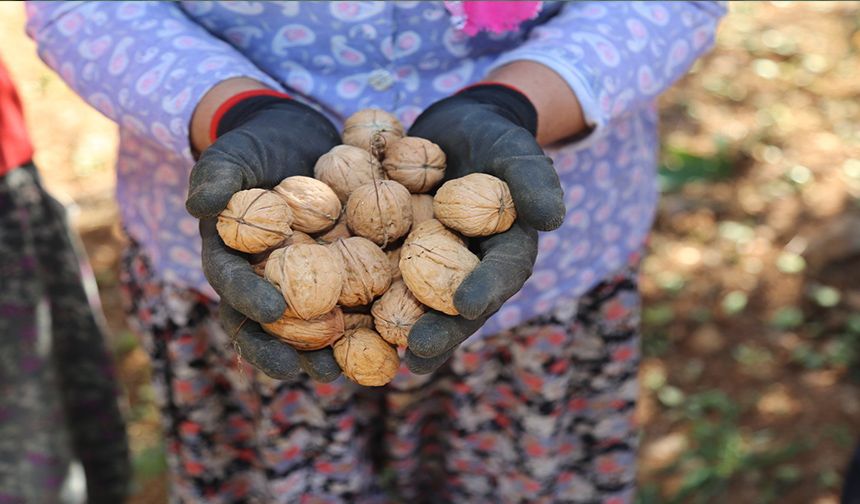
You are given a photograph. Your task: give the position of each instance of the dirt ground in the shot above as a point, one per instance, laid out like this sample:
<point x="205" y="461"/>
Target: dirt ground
<point x="750" y="388"/>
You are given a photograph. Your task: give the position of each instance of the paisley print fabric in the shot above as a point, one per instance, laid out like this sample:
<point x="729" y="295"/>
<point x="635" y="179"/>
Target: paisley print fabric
<point x="542" y="413"/>
<point x="146" y="65"/>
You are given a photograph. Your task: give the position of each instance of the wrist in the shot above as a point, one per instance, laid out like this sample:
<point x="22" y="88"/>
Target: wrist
<point x="237" y="109"/>
<point x="513" y="103"/>
<point x="560" y="115"/>
<point x="202" y="118"/>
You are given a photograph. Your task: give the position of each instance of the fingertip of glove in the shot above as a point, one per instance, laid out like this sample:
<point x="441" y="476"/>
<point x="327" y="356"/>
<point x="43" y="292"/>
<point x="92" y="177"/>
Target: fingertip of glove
<point x="422" y="366"/>
<point x="470" y="298"/>
<point x="269" y="308"/>
<point x="550" y="224"/>
<point x="258" y="304"/>
<point x="282" y="373"/>
<point x="547" y="215"/>
<point x="202" y="203"/>
<point x="427" y="341"/>
<point x="274" y="358"/>
<point x="320" y="365"/>
<point x="325" y="375"/>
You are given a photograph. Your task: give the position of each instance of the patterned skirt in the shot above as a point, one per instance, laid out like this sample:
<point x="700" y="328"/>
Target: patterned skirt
<point x="541" y="413"/>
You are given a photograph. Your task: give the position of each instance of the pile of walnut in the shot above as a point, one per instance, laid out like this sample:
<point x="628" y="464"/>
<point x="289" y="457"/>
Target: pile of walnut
<point x="361" y="251"/>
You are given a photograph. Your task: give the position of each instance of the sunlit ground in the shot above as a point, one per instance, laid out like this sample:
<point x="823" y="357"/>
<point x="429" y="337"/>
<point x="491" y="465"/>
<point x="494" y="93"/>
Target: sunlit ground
<point x="752" y="284"/>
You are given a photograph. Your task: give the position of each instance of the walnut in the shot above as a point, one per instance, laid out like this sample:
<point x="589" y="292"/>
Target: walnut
<point x="255" y="220"/>
<point x="416" y="163"/>
<point x="352" y="321"/>
<point x="366" y="358"/>
<point x="432" y="227"/>
<point x="311" y="334"/>
<point x="258" y="261"/>
<point x="315" y="206"/>
<point x="433" y="267"/>
<point x="422" y="208"/>
<point x="395" y="313"/>
<point x="366" y="273"/>
<point x="345" y="168"/>
<point x="340" y="230"/>
<point x="372" y="130"/>
<point x="394" y="262"/>
<point x="309" y="276"/>
<point x="380" y="211"/>
<point x="475" y="205"/>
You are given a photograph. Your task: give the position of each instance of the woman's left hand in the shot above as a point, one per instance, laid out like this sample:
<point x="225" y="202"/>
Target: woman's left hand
<point x="488" y="128"/>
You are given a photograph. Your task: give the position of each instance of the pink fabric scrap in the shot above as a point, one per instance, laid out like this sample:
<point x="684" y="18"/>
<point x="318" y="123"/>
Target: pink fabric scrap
<point x="495" y="17"/>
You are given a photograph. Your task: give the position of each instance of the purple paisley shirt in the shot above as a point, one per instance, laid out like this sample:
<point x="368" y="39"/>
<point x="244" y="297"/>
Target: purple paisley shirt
<point x="146" y="64"/>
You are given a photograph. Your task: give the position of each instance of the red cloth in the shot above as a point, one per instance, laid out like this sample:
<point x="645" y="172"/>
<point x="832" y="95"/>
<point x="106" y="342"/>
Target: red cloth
<point x="15" y="146"/>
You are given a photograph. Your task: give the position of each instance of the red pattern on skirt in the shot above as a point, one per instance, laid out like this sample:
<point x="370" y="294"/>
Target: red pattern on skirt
<point x="541" y="413"/>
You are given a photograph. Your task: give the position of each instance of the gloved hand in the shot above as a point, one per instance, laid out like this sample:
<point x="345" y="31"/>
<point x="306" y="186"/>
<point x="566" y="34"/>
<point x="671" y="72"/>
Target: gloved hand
<point x="262" y="138"/>
<point x="488" y="128"/>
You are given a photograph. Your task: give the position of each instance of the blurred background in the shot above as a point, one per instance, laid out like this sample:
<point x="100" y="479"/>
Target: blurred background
<point x="750" y="381"/>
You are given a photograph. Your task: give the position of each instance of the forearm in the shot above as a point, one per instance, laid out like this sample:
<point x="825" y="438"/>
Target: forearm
<point x="558" y="110"/>
<point x="615" y="58"/>
<point x="96" y="48"/>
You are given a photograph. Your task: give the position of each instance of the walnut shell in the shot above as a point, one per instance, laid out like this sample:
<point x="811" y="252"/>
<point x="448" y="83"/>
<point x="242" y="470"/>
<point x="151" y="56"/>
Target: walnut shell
<point x="366" y="273"/>
<point x="340" y="230"/>
<point x="309" y="276"/>
<point x="432" y="227"/>
<point x="312" y="334"/>
<point x="395" y="313"/>
<point x="352" y="321"/>
<point x="422" y="208"/>
<point x="380" y="211"/>
<point x="475" y="205"/>
<point x="366" y="358"/>
<point x="416" y="163"/>
<point x="315" y="206"/>
<point x="394" y="263"/>
<point x="433" y="267"/>
<point x="345" y="168"/>
<point x="372" y="130"/>
<point x="258" y="261"/>
<point x="255" y="220"/>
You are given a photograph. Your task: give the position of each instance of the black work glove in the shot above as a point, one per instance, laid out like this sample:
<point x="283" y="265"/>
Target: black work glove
<point x="488" y="128"/>
<point x="261" y="140"/>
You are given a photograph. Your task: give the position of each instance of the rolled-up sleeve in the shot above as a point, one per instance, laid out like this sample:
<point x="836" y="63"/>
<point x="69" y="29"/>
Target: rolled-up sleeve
<point x="144" y="65"/>
<point x="618" y="56"/>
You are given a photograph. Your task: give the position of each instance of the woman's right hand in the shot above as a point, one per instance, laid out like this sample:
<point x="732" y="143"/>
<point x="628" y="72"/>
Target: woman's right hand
<point x="258" y="137"/>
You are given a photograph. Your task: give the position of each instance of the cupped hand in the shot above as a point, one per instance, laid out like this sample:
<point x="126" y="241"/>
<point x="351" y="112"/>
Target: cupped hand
<point x="260" y="141"/>
<point x="489" y="129"/>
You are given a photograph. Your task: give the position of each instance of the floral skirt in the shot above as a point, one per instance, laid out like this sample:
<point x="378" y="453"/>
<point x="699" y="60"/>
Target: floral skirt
<point x="541" y="413"/>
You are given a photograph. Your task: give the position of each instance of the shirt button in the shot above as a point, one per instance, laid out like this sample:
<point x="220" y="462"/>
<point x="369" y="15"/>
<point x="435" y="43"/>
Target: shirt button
<point x="380" y="79"/>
